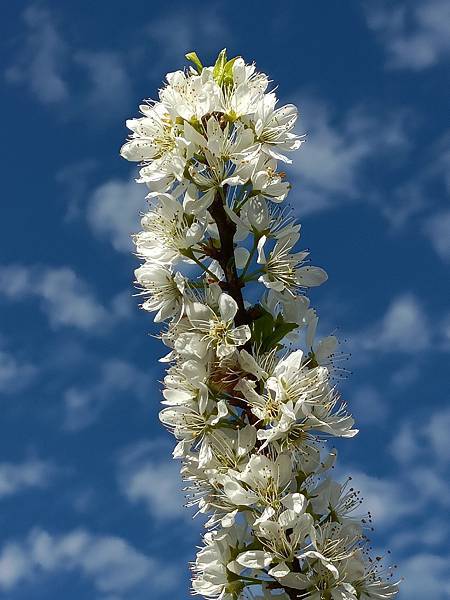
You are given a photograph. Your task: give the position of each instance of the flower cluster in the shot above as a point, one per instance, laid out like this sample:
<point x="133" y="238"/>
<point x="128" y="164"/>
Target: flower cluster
<point x="249" y="392"/>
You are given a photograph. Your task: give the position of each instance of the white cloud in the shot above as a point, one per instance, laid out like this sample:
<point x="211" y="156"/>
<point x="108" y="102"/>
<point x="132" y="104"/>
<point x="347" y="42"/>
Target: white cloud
<point x="82" y="405"/>
<point x="416" y="35"/>
<point x="146" y="478"/>
<point x="68" y="301"/>
<point x="65" y="298"/>
<point x="445" y="328"/>
<point x="110" y="563"/>
<point x="113" y="212"/>
<point x="422" y="449"/>
<point x="411" y="198"/>
<point x="329" y="165"/>
<point x="18" y="477"/>
<point x="41" y="62"/>
<point x="15" y="375"/>
<point x="45" y="60"/>
<point x="431" y="485"/>
<point x="404" y="446"/>
<point x="425" y="575"/>
<point x="437" y="229"/>
<point x="427" y="441"/>
<point x="431" y="532"/>
<point x="188" y="32"/>
<point x="74" y="178"/>
<point x="437" y="432"/>
<point x="368" y="406"/>
<point x="108" y="87"/>
<point x="403" y="328"/>
<point x="406" y="375"/>
<point x="387" y="499"/>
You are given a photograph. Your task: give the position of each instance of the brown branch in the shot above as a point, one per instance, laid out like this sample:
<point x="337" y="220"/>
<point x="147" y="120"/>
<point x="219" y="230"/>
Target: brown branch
<point x="233" y="285"/>
<point x="225" y="257"/>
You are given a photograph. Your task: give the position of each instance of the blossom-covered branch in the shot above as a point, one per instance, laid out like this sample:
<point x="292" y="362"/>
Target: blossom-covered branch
<point x="249" y="392"/>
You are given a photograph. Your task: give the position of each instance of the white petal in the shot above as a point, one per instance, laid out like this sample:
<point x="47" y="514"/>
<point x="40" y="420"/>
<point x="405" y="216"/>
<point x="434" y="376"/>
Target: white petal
<point x="192" y="135"/>
<point x="198" y="313"/>
<point x="249" y="364"/>
<point x="296" y="502"/>
<point x="227" y="307"/>
<point x="312" y="319"/>
<point x="234" y="567"/>
<point x="175" y="397"/>
<point x="241" y="257"/>
<point x="280" y="570"/>
<point x="296" y="581"/>
<point x="325" y="348"/>
<point x="255" y="559"/>
<point x="311" y="276"/>
<point x="237" y="494"/>
<point x="241" y="335"/>
<point x="261" y="255"/>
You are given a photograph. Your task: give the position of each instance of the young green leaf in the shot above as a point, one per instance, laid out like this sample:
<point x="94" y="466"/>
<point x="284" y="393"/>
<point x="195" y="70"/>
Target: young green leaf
<point x="219" y="67"/>
<point x="228" y="71"/>
<point x="193" y="58"/>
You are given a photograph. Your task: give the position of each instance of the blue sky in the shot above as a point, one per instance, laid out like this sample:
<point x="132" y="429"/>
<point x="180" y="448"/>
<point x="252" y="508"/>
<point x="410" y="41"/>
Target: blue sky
<point x="90" y="504"/>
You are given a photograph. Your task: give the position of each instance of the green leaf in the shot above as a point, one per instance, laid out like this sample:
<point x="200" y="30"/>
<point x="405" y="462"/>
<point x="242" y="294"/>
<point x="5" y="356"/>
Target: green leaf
<point x="280" y="331"/>
<point x="193" y="58"/>
<point x="228" y="71"/>
<point x="262" y="329"/>
<point x="267" y="332"/>
<point x="219" y="67"/>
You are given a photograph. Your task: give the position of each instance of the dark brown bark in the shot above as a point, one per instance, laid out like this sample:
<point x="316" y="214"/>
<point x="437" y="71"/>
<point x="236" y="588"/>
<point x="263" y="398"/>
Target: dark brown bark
<point x="225" y="257"/>
<point x="233" y="286"/>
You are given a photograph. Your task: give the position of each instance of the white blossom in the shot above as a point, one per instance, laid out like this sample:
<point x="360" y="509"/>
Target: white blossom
<point x="166" y="290"/>
<point x="249" y="411"/>
<point x="284" y="269"/>
<point x="168" y="232"/>
<point x="218" y="329"/>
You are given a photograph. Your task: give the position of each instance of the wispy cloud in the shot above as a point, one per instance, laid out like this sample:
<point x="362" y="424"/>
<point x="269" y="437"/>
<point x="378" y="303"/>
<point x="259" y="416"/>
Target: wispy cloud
<point x="148" y="479"/>
<point x="74" y="179"/>
<point x="427" y="443"/>
<point x="387" y="498"/>
<point x="403" y="328"/>
<point x="64" y="297"/>
<point x="108" y="85"/>
<point x="113" y="212"/>
<point x="209" y="34"/>
<point x="400" y="503"/>
<point x="426" y="575"/>
<point x="42" y="61"/>
<point x="406" y="328"/>
<point x="49" y="64"/>
<point x="429" y="533"/>
<point x="437" y="229"/>
<point x="83" y="404"/>
<point x="21" y="476"/>
<point x="15" y="374"/>
<point x="330" y="165"/>
<point x="418" y="195"/>
<point x="110" y="563"/>
<point x="416" y="34"/>
<point x="368" y="405"/>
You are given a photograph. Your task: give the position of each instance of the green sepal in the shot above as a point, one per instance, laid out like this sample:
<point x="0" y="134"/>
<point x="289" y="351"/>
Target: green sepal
<point x="193" y="58"/>
<point x="228" y="71"/>
<point x="219" y="67"/>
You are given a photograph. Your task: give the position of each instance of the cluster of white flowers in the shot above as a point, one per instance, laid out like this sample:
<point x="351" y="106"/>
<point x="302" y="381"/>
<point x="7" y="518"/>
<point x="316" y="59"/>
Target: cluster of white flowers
<point x="248" y="392"/>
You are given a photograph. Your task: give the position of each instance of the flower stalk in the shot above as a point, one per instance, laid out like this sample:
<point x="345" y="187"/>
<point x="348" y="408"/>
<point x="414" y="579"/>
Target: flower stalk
<point x="249" y="392"/>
